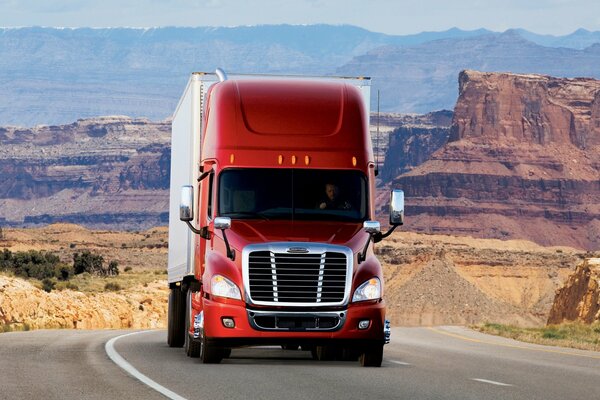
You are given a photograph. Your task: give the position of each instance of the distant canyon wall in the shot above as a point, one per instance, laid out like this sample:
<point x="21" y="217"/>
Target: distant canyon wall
<point x="522" y="161"/>
<point x="108" y="172"/>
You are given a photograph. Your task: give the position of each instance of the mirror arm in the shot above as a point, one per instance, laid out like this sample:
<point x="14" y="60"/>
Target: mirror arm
<point x="230" y="251"/>
<point x="204" y="175"/>
<point x="197" y="231"/>
<point x="378" y="237"/>
<point x="363" y="256"/>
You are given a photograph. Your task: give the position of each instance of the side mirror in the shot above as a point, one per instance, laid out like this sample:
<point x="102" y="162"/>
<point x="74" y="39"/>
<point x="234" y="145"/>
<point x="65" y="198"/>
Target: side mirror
<point x="397" y="207"/>
<point x="222" y="223"/>
<point x="186" y="206"/>
<point x="371" y="227"/>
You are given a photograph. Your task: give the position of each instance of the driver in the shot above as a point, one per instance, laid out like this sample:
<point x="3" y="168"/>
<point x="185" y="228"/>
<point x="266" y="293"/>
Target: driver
<point x="332" y="199"/>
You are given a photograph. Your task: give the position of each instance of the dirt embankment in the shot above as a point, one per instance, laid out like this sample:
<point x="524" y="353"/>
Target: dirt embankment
<point x="579" y="299"/>
<point x="23" y="306"/>
<point x="437" y="279"/>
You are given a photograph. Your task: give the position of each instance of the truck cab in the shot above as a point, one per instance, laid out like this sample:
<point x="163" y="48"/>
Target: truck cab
<point x="272" y="219"/>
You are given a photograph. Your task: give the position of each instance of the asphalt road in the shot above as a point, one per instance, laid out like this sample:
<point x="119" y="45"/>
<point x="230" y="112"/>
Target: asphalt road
<point x="420" y="363"/>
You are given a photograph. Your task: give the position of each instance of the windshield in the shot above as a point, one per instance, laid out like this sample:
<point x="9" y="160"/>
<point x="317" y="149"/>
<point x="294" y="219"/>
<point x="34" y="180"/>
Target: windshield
<point x="299" y="194"/>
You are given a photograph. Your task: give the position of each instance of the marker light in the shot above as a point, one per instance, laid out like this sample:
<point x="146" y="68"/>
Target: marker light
<point x="354" y="161"/>
<point x="369" y="290"/>
<point x="293" y="160"/>
<point x="280" y="159"/>
<point x="231" y="158"/>
<point x="306" y="160"/>
<point x="223" y="287"/>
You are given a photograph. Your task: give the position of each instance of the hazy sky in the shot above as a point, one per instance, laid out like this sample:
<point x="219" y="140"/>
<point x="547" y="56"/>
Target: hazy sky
<point x="388" y="16"/>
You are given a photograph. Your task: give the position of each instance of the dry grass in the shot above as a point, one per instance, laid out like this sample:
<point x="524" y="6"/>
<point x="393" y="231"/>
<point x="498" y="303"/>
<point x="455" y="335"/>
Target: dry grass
<point x="572" y="334"/>
<point x="93" y="284"/>
<point x="88" y="283"/>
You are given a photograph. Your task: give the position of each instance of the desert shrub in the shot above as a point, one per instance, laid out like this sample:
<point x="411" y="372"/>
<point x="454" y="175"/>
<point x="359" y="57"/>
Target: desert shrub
<point x="72" y="286"/>
<point x="113" y="268"/>
<point x="72" y="245"/>
<point x="48" y="285"/>
<point x="88" y="262"/>
<point x="33" y="264"/>
<point x="552" y="333"/>
<point x="64" y="272"/>
<point x="112" y="287"/>
<point x="127" y="269"/>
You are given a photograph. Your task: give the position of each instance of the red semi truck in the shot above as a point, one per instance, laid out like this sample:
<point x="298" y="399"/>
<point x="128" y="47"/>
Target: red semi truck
<point x="272" y="219"/>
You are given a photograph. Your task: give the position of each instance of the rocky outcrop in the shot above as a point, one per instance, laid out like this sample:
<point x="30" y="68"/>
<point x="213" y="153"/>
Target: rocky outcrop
<point x="522" y="161"/>
<point x="22" y="304"/>
<point x="579" y="299"/>
<point x="87" y="166"/>
<point x="413" y="142"/>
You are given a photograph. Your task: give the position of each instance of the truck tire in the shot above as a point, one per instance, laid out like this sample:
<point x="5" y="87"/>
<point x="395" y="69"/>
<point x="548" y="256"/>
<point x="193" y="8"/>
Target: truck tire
<point x="226" y="353"/>
<point x="176" y="318"/>
<point x="372" y="356"/>
<point x="326" y="353"/>
<point x="350" y="354"/>
<point x="210" y="354"/>
<point x="191" y="346"/>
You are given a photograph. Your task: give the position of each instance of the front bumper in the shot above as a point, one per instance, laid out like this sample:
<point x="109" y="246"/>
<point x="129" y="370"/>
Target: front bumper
<point x="293" y="326"/>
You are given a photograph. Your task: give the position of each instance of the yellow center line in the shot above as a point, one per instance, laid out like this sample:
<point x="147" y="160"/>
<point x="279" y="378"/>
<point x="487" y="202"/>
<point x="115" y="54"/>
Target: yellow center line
<point x="514" y="346"/>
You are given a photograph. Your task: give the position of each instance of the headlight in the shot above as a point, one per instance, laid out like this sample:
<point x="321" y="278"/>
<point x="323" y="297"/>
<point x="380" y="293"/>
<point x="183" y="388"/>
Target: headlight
<point x="223" y="287"/>
<point x="369" y="290"/>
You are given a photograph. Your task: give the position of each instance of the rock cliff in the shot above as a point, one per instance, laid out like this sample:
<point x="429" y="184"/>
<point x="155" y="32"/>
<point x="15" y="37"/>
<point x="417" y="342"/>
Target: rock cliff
<point x="579" y="299"/>
<point x="522" y="161"/>
<point x="78" y="172"/>
<point x="413" y="142"/>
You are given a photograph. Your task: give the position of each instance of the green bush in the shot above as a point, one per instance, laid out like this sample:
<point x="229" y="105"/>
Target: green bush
<point x="551" y="333"/>
<point x="88" y="262"/>
<point x="34" y="264"/>
<point x="112" y="286"/>
<point x="113" y="268"/>
<point x="48" y="285"/>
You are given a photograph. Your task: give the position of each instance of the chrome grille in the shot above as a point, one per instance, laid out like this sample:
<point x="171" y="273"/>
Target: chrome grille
<point x="316" y="277"/>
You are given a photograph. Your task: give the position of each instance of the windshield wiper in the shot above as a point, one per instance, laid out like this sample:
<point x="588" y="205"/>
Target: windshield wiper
<point x="246" y="214"/>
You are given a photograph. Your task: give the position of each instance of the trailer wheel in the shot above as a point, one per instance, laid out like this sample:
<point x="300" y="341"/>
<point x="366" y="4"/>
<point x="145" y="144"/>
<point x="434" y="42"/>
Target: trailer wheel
<point x="191" y="346"/>
<point x="176" y="318"/>
<point x="372" y="357"/>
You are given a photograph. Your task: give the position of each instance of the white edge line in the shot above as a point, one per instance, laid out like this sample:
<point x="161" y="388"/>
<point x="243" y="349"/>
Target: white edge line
<point x="109" y="347"/>
<point x="491" y="382"/>
<point x="399" y="362"/>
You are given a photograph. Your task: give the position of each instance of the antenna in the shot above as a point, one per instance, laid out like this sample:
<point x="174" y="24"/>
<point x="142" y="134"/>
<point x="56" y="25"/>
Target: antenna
<point x="377" y="139"/>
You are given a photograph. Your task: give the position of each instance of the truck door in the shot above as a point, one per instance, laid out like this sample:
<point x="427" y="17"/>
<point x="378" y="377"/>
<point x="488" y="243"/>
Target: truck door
<point x="205" y="216"/>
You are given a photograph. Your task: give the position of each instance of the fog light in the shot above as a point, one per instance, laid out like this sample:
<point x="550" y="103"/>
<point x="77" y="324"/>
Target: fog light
<point x="228" y="322"/>
<point x="364" y="324"/>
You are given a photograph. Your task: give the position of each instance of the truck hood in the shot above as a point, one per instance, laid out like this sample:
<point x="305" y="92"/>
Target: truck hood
<point x="243" y="232"/>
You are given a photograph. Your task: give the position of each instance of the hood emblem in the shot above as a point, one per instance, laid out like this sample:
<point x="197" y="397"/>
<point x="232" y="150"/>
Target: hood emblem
<point x="297" y="250"/>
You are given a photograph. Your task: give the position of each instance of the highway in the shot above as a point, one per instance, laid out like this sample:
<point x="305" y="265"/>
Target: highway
<point x="420" y="363"/>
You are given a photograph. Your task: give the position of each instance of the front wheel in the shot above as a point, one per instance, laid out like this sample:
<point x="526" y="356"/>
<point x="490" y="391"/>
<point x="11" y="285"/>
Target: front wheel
<point x="191" y="346"/>
<point x="209" y="353"/>
<point x="372" y="356"/>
